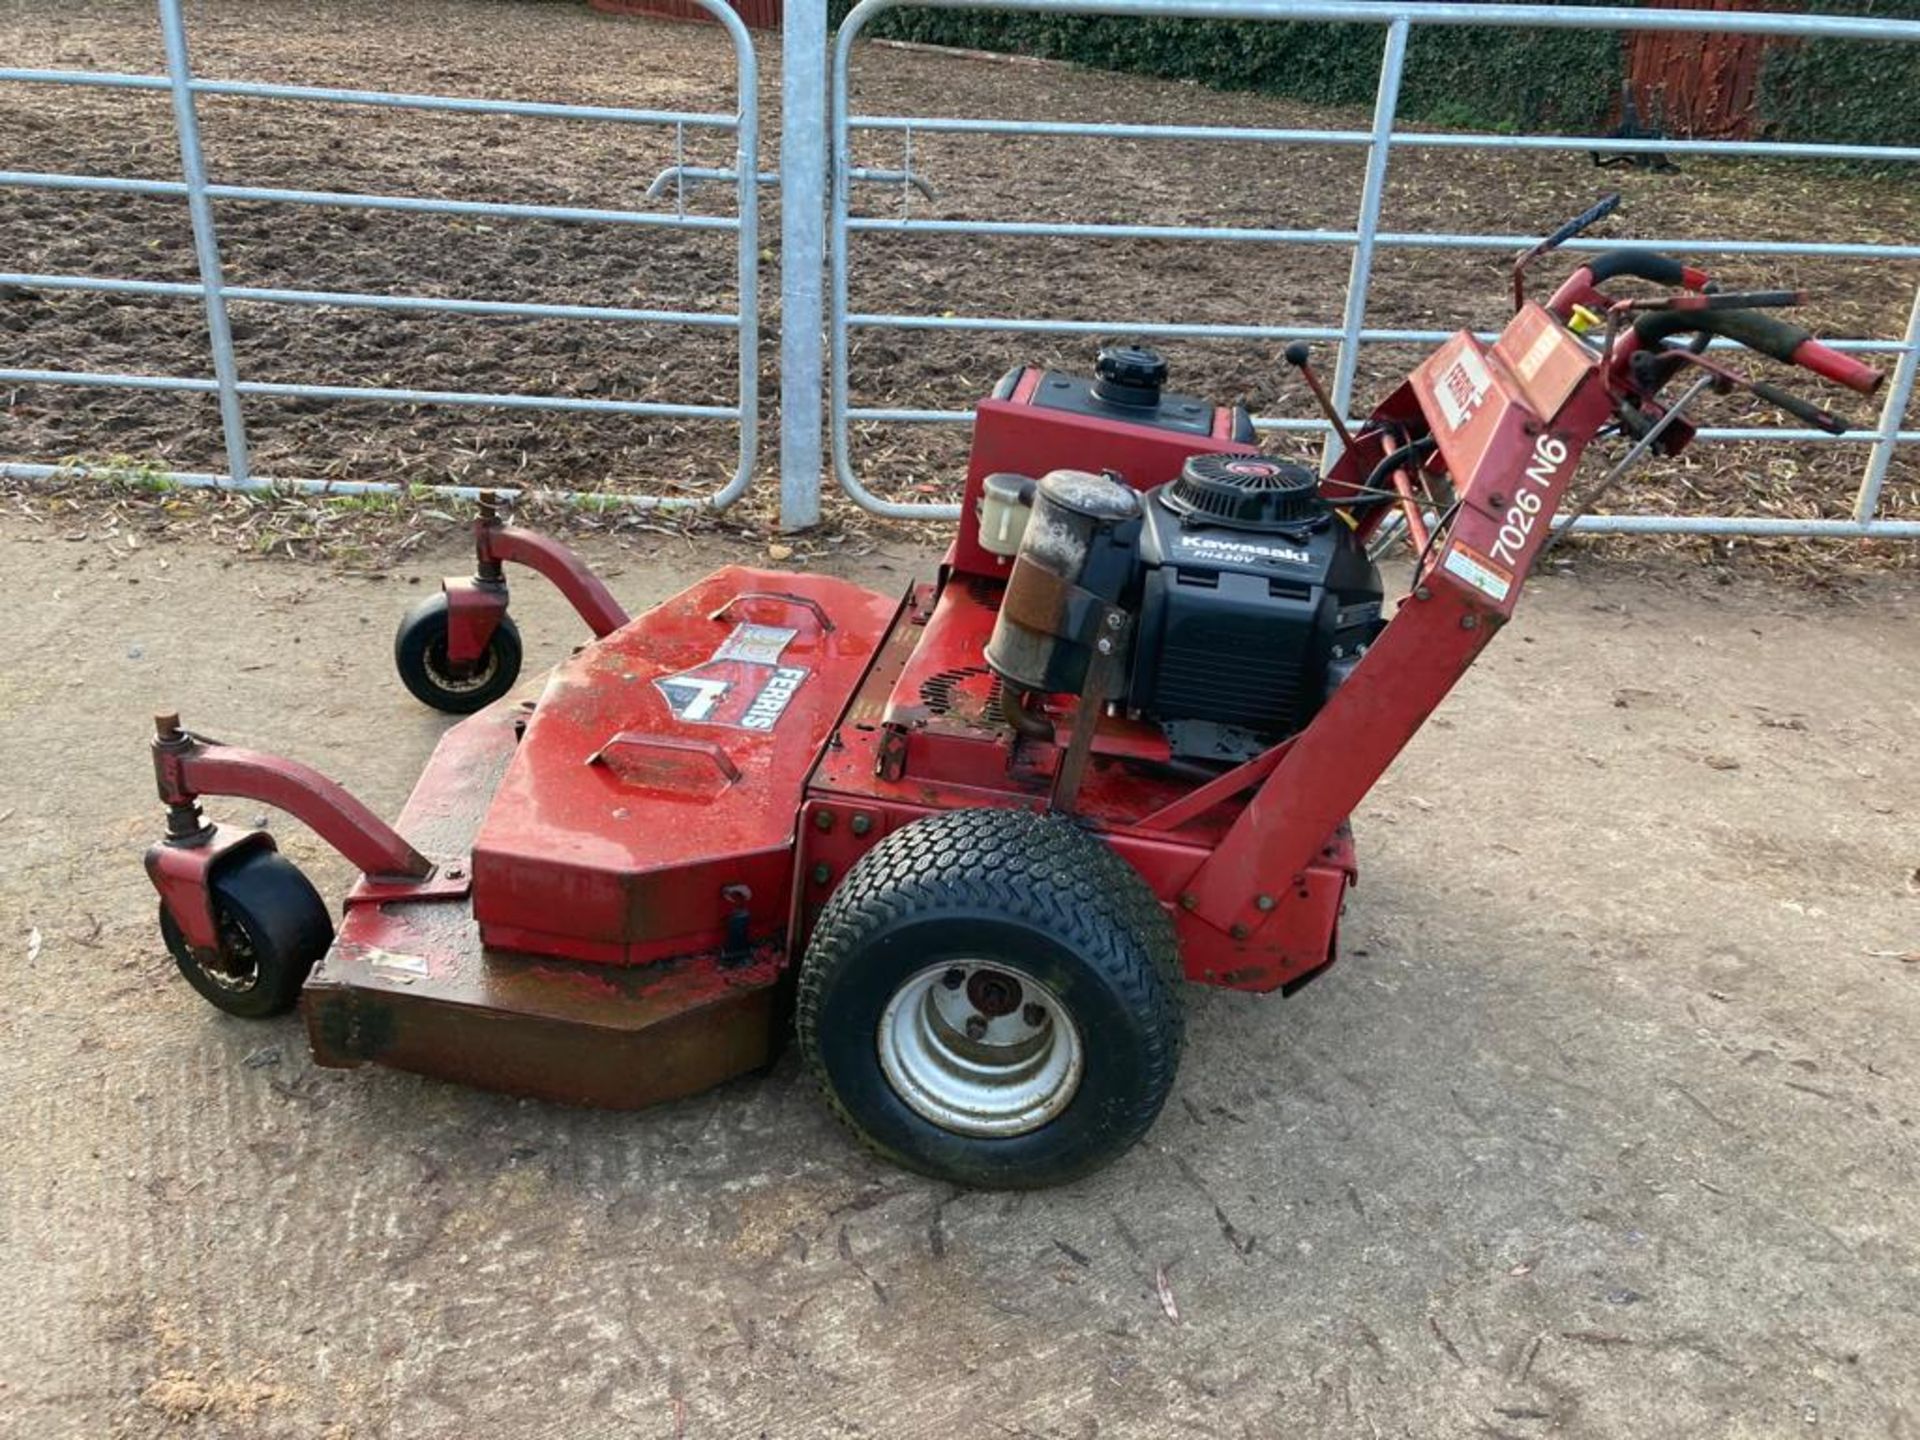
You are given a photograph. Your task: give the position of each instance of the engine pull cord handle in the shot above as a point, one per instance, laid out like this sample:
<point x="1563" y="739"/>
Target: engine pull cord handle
<point x="1606" y="206"/>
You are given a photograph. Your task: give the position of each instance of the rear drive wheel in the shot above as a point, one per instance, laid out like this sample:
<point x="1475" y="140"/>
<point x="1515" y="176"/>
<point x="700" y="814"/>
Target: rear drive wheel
<point x="273" y="927"/>
<point x="991" y="998"/>
<point x="420" y="655"/>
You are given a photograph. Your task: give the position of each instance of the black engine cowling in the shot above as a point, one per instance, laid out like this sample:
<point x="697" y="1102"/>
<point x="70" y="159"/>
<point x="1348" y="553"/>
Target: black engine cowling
<point x="1251" y="598"/>
<point x="1255" y="601"/>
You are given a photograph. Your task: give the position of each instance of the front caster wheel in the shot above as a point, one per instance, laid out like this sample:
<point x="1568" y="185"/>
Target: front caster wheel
<point x="273" y="927"/>
<point x="991" y="998"/>
<point x="420" y="655"/>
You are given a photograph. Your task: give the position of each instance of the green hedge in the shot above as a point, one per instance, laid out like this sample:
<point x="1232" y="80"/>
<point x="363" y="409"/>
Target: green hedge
<point x="1484" y="77"/>
<point x="1472" y="77"/>
<point x="1842" y="90"/>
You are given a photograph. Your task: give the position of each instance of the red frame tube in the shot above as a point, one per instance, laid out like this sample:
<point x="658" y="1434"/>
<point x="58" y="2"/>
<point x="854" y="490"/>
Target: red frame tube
<point x="475" y="606"/>
<point x="186" y="771"/>
<point x="567" y="572"/>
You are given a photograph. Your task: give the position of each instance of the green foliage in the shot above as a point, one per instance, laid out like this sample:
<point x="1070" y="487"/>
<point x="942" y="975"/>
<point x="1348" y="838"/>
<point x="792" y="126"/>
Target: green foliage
<point x="1488" y="78"/>
<point x="1844" y="90"/>
<point x="1466" y="77"/>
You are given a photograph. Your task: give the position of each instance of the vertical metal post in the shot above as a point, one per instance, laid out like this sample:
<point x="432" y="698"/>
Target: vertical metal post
<point x="206" y="241"/>
<point x="1899" y="396"/>
<point x="803" y="194"/>
<point x="1386" y="101"/>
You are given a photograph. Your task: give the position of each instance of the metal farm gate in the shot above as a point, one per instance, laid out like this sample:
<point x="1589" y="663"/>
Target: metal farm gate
<point x="1365" y="239"/>
<point x="816" y="176"/>
<point x="216" y="296"/>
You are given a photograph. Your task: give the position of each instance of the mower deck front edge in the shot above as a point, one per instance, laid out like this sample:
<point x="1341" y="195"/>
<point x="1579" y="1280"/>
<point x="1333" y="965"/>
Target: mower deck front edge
<point x="408" y="984"/>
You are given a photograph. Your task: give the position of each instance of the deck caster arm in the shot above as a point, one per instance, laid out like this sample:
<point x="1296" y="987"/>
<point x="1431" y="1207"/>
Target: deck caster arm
<point x="187" y="766"/>
<point x="475" y="605"/>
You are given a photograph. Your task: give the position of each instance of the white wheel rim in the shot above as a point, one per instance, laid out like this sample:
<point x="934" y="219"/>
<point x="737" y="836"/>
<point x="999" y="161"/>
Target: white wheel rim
<point x="980" y="1048"/>
<point x="458" y="684"/>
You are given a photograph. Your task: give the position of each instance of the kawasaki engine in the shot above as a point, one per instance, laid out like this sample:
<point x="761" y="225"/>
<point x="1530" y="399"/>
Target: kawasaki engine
<point x="1242" y="599"/>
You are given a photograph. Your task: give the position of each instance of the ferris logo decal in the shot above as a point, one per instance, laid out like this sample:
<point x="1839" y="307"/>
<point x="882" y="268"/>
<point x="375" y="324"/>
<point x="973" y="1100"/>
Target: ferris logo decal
<point x="771" y="703"/>
<point x="1530" y="500"/>
<point x="742" y="685"/>
<point x="1462" y="386"/>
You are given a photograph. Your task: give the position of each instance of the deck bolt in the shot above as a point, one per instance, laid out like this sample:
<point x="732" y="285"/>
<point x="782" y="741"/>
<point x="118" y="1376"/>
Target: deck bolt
<point x="1469" y="622"/>
<point x="1263" y="902"/>
<point x="821" y="874"/>
<point x="1239" y="932"/>
<point x="823" y="819"/>
<point x="1115" y="620"/>
<point x="862" y="824"/>
<point x="1421" y="592"/>
<point x="1189" y="902"/>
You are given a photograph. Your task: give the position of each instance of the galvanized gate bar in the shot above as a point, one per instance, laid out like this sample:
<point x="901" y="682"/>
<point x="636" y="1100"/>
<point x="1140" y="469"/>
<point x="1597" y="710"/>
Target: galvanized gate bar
<point x="486" y="399"/>
<point x="1899" y="396"/>
<point x="346" y="199"/>
<point x="803" y="166"/>
<point x="1406" y="140"/>
<point x="1373" y="189"/>
<point x="1399" y="239"/>
<point x="1365" y="238"/>
<point x="206" y="244"/>
<point x="215" y="294"/>
<point x="387" y="99"/>
<point x="1209" y="330"/>
<point x="351" y="300"/>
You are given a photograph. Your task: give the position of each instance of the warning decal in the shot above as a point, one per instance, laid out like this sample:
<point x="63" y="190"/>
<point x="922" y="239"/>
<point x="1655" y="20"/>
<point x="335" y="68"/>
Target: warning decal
<point x="742" y="685"/>
<point x="1462" y="386"/>
<point x="1478" y="571"/>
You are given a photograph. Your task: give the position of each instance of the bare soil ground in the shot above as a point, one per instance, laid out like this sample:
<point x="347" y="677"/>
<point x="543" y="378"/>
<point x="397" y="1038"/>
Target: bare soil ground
<point x="1604" y="1127"/>
<point x="563" y="52"/>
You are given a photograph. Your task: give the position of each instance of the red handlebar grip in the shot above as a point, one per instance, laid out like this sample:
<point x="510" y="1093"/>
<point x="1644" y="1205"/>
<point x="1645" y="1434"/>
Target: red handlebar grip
<point x="1839" y="368"/>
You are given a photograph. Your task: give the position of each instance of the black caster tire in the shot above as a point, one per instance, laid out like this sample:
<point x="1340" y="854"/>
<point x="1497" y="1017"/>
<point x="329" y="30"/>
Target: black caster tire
<point x="420" y="655"/>
<point x="992" y="998"/>
<point x="273" y="928"/>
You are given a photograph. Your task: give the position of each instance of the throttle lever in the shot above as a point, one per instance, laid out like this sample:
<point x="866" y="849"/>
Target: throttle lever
<point x="1800" y="409"/>
<point x="1607" y="205"/>
<point x="1300" y="357"/>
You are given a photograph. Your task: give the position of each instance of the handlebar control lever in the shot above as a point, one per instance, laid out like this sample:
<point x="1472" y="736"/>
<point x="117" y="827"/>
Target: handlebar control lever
<point x="1297" y="355"/>
<point x="1800" y="409"/>
<point x="1592" y="216"/>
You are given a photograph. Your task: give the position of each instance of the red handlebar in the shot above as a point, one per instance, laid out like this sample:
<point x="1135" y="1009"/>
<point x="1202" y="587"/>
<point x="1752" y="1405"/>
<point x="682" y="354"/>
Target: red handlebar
<point x="1841" y="369"/>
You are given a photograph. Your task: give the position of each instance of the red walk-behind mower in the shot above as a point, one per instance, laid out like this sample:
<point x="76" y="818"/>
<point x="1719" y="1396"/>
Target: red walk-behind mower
<point x="968" y="840"/>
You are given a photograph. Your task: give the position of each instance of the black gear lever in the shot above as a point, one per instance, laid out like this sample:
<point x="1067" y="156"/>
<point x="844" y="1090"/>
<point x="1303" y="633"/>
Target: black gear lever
<point x="1296" y="355"/>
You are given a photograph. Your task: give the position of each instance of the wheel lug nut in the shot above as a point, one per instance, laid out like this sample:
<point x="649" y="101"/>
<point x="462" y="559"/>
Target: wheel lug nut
<point x="954" y="978"/>
<point x="976" y="1027"/>
<point x="1035" y="1014"/>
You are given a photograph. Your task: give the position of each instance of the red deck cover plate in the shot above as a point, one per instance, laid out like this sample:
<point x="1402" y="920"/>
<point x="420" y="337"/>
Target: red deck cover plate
<point x="654" y="794"/>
